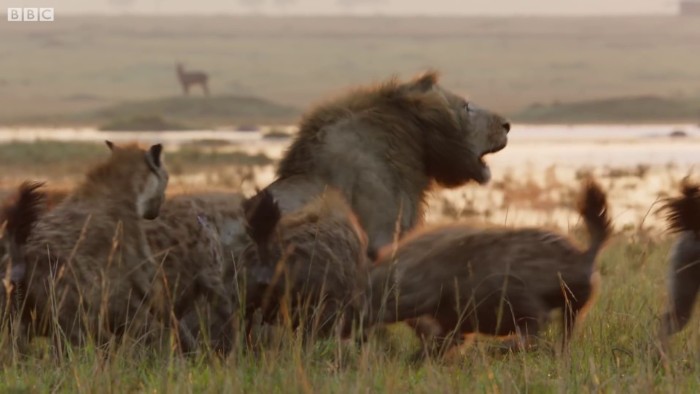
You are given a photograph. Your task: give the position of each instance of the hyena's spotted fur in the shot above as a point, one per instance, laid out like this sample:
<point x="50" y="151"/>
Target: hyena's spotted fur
<point x="85" y="266"/>
<point x="194" y="240"/>
<point x="459" y="279"/>
<point x="683" y="215"/>
<point x="311" y="263"/>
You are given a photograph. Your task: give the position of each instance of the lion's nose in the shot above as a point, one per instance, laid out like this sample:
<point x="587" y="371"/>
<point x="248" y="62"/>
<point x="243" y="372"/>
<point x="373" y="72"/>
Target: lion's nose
<point x="506" y="125"/>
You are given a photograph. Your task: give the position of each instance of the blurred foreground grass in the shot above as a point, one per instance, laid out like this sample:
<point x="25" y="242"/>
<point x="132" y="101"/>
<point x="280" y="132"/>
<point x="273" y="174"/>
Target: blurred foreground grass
<point x="615" y="350"/>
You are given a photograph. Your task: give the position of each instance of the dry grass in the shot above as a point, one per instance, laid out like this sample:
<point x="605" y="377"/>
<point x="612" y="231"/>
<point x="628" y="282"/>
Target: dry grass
<point x="615" y="350"/>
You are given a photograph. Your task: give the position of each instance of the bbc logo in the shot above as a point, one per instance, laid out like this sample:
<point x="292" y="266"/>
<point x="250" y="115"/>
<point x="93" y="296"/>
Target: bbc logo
<point x="30" y="14"/>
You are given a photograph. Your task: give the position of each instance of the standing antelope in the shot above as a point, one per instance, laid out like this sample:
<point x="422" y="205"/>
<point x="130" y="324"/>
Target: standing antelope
<point x="188" y="78"/>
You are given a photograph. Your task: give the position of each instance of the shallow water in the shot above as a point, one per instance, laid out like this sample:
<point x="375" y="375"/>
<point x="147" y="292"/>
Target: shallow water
<point x="519" y="133"/>
<point x="537" y="145"/>
<point x="89" y="134"/>
<point x="534" y="177"/>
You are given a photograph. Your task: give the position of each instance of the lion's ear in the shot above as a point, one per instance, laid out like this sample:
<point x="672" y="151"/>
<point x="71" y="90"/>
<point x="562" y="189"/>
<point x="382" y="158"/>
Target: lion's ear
<point x="424" y="82"/>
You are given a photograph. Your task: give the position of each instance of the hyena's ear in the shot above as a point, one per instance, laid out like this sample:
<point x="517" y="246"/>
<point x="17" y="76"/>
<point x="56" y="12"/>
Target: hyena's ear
<point x="261" y="213"/>
<point x="154" y="155"/>
<point x="110" y="145"/>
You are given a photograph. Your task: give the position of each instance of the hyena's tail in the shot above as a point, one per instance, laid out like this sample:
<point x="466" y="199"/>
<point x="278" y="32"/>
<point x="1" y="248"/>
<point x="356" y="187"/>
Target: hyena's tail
<point x="593" y="207"/>
<point x="262" y="213"/>
<point x="21" y="215"/>
<point x="683" y="213"/>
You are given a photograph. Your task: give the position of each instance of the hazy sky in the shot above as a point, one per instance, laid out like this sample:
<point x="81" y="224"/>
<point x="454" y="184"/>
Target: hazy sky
<point x="388" y="7"/>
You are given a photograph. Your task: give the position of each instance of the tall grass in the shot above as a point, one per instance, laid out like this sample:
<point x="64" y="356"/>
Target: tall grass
<point x="614" y="350"/>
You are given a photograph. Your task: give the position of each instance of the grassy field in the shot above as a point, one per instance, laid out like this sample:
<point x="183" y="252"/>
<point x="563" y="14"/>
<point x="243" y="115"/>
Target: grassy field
<point x="171" y="113"/>
<point x="635" y="110"/>
<point x="615" y="349"/>
<point x="79" y="65"/>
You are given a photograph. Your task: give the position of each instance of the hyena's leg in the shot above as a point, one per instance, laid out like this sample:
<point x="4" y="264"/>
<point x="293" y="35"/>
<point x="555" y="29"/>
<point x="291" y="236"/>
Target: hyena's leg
<point x="576" y="306"/>
<point x="428" y="331"/>
<point x="222" y="325"/>
<point x="444" y="331"/>
<point x="684" y="286"/>
<point x="529" y="314"/>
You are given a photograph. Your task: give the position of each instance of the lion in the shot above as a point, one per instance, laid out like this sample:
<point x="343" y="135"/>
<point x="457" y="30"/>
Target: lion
<point x="384" y="147"/>
<point x="496" y="281"/>
<point x="85" y="267"/>
<point x="683" y="215"/>
<point x="311" y="263"/>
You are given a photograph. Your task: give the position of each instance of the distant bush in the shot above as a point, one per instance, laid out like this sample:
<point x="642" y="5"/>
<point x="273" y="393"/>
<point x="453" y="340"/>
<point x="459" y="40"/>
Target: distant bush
<point x="194" y="157"/>
<point x="678" y="134"/>
<point x="276" y="134"/>
<point x="248" y="127"/>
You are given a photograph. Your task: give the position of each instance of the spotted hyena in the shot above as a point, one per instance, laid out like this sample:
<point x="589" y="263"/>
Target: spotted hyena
<point x="85" y="268"/>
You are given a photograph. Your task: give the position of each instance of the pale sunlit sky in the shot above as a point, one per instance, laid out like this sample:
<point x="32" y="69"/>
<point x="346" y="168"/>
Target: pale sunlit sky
<point x="384" y="7"/>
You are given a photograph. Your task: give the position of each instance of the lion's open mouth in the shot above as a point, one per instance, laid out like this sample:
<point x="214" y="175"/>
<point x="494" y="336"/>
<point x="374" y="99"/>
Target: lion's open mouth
<point x="485" y="170"/>
<point x="490" y="151"/>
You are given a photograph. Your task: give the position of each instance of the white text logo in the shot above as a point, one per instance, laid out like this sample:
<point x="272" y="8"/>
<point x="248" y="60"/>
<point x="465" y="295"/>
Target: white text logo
<point x="28" y="14"/>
